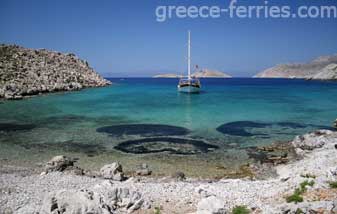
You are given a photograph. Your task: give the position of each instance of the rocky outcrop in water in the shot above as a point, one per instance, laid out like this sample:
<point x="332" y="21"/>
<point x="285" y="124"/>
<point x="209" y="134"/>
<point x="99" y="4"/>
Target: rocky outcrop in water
<point x="27" y="72"/>
<point x="321" y="68"/>
<point x="203" y="73"/>
<point x="167" y="76"/>
<point x="207" y="73"/>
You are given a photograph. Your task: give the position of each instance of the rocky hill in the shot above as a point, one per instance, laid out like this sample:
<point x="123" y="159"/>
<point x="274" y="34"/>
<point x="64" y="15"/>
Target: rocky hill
<point x="327" y="73"/>
<point x="27" y="72"/>
<point x="306" y="70"/>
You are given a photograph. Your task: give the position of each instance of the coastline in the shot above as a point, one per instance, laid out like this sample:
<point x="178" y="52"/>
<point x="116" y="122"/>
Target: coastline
<point x="26" y="193"/>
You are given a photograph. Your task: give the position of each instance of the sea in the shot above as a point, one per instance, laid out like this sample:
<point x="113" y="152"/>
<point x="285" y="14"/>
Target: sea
<point x="146" y="120"/>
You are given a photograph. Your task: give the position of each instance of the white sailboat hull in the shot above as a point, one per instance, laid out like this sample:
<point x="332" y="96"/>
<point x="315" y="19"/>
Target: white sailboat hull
<point x="188" y="89"/>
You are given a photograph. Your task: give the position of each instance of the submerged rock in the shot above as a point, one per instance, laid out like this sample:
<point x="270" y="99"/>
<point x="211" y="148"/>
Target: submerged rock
<point x="180" y="146"/>
<point x="241" y="128"/>
<point x="147" y="130"/>
<point x="112" y="171"/>
<point x="11" y="127"/>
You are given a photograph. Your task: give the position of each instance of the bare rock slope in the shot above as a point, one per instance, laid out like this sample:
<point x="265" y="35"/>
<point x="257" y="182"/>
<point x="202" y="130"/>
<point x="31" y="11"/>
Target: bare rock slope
<point x="320" y="68"/>
<point x="26" y="72"/>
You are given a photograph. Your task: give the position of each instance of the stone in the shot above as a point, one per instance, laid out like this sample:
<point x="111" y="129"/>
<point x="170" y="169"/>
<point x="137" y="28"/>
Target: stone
<point x="334" y="208"/>
<point x="7" y="210"/>
<point x="74" y="201"/>
<point x="59" y="163"/>
<point x="143" y="170"/>
<point x="112" y="171"/>
<point x="179" y="176"/>
<point x="211" y="205"/>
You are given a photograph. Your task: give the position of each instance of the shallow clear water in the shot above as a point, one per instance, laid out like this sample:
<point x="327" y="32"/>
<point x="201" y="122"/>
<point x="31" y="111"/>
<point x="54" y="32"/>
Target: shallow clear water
<point x="230" y="114"/>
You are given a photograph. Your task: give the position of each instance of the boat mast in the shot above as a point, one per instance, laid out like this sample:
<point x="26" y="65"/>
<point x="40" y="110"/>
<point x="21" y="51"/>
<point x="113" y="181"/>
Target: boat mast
<point x="189" y="55"/>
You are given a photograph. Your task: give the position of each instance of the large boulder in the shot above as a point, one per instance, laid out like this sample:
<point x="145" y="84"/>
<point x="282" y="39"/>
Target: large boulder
<point x="211" y="205"/>
<point x="112" y="171"/>
<point x="59" y="163"/>
<point x="62" y="163"/>
<point x="143" y="170"/>
<point x="125" y="199"/>
<point x="74" y="201"/>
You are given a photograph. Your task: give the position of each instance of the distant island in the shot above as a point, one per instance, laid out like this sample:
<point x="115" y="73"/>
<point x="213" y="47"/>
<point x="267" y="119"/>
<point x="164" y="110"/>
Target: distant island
<point x="203" y="73"/>
<point x="167" y="76"/>
<point x="25" y="72"/>
<point x="322" y="68"/>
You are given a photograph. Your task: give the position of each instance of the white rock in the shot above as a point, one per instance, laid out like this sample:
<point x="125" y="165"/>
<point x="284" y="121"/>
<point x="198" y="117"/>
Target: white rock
<point x="211" y="205"/>
<point x="112" y="171"/>
<point x="74" y="201"/>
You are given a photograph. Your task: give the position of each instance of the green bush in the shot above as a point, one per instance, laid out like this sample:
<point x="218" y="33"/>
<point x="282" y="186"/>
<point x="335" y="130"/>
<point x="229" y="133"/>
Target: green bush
<point x="157" y="210"/>
<point x="308" y="175"/>
<point x="240" y="210"/>
<point x="304" y="185"/>
<point x="296" y="198"/>
<point x="333" y="184"/>
<point x="299" y="211"/>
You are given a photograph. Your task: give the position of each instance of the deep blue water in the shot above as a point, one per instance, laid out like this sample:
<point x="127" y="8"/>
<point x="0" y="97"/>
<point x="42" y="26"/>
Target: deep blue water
<point x="94" y="122"/>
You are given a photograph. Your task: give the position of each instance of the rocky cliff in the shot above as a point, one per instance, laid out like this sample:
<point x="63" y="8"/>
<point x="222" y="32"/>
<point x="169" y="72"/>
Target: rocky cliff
<point x="27" y="72"/>
<point x="305" y="70"/>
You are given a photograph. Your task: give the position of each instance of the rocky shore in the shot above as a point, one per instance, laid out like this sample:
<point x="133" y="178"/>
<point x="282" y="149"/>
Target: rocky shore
<point x="305" y="185"/>
<point x="25" y="72"/>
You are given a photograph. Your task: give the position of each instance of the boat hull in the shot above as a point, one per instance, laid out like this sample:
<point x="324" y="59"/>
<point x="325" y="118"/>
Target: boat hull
<point x="188" y="89"/>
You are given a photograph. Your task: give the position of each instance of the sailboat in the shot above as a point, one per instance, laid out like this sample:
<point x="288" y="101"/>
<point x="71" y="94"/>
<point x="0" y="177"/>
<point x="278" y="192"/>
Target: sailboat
<point x="189" y="84"/>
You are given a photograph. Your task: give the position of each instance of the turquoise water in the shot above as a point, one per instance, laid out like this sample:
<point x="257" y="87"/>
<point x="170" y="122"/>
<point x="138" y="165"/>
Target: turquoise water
<point x="231" y="114"/>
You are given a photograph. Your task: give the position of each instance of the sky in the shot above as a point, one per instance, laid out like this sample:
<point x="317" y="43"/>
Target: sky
<point x="122" y="38"/>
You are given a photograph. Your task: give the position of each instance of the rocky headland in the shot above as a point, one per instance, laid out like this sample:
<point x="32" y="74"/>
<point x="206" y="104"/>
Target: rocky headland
<point x="306" y="184"/>
<point x="167" y="76"/>
<point x="27" y="72"/>
<point x="322" y="68"/>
